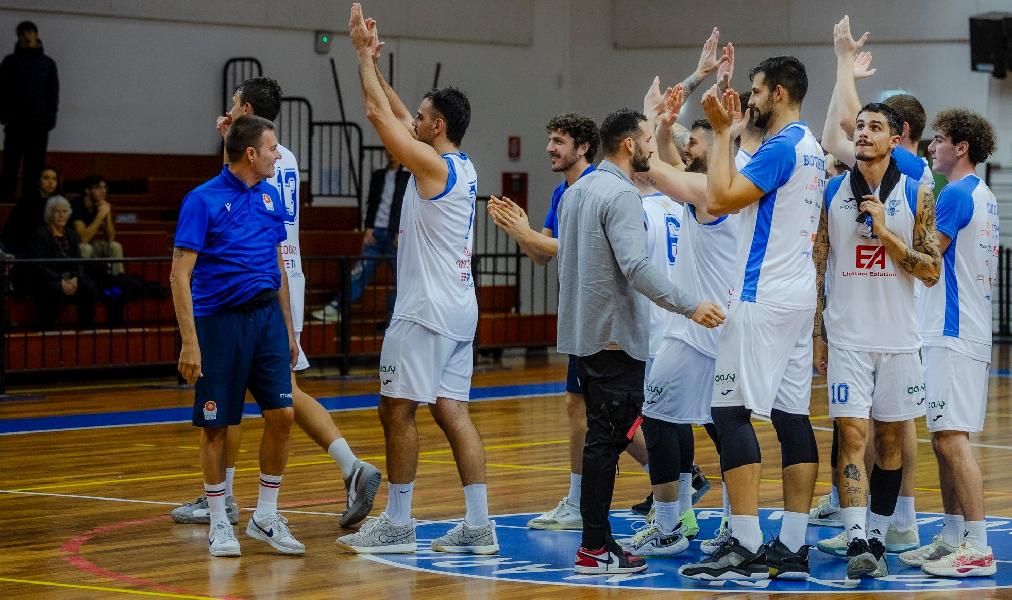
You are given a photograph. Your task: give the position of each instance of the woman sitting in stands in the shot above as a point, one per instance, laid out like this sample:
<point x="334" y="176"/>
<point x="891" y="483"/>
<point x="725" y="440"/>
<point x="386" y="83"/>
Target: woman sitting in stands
<point x="26" y="216"/>
<point x="58" y="283"/>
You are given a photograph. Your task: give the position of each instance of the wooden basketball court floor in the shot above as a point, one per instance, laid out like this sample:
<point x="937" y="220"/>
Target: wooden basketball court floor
<point x="84" y="506"/>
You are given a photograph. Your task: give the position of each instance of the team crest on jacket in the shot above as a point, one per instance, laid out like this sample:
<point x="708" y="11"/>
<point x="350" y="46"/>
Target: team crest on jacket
<point x="268" y="202"/>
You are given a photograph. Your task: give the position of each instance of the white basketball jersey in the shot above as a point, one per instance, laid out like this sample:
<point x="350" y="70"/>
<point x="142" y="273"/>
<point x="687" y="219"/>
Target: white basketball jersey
<point x="741" y="159"/>
<point x="706" y="265"/>
<point x="775" y="248"/>
<point x="434" y="283"/>
<point x="663" y="219"/>
<point x="286" y="180"/>
<point x="958" y="307"/>
<point x="870" y="301"/>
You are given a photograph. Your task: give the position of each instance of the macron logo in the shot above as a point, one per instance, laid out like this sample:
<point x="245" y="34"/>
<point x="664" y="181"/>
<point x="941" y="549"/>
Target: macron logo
<point x="228" y="206"/>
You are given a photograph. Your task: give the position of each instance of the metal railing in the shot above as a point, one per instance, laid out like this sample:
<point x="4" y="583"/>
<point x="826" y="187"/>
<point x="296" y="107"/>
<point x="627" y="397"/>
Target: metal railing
<point x="295" y="132"/>
<point x="236" y="71"/>
<point x="337" y="162"/>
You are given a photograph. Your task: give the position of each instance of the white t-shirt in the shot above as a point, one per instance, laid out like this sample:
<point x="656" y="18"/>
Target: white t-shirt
<point x="286" y="180"/>
<point x="382" y="220"/>
<point x="958" y="307"/>
<point x="870" y="304"/>
<point x="663" y="219"/>
<point x="775" y="248"/>
<point x="434" y="283"/>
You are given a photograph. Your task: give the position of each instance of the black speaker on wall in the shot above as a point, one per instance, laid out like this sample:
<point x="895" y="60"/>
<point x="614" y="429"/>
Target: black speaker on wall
<point x="991" y="43"/>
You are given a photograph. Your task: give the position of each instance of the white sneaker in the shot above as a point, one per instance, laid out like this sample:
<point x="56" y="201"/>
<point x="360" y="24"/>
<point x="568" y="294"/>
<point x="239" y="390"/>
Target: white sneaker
<point x="826" y="514"/>
<point x="221" y="540"/>
<point x="722" y="537"/>
<point x="274" y="530"/>
<point x="381" y="536"/>
<point x="467" y="539"/>
<point x="901" y="540"/>
<point x="650" y="541"/>
<point x="330" y="313"/>
<point x="931" y="552"/>
<point x="835" y="546"/>
<point x="967" y="561"/>
<point x="361" y="487"/>
<point x="565" y="516"/>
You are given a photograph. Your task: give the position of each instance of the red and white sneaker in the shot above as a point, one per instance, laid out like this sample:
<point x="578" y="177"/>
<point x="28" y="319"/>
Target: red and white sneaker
<point x="606" y="560"/>
<point x="967" y="561"/>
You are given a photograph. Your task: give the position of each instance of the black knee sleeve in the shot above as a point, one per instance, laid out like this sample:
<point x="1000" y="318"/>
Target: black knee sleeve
<point x="884" y="485"/>
<point x="797" y="440"/>
<point x="663" y="452"/>
<point x="834" y="453"/>
<point x="712" y="432"/>
<point x="686" y="447"/>
<point x="734" y="426"/>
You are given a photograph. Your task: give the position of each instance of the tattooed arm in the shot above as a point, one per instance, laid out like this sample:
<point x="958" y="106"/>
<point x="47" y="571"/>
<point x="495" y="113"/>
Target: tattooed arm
<point x="924" y="259"/>
<point x="820" y="254"/>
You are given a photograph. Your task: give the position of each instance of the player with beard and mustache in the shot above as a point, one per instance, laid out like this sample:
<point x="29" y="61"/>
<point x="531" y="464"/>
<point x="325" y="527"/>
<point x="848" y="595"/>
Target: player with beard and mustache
<point x="872" y="357"/>
<point x="696" y="151"/>
<point x="605" y="280"/>
<point x="764" y="353"/>
<point x="573" y="143"/>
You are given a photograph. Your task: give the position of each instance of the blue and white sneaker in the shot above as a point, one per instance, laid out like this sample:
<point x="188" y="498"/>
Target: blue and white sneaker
<point x="274" y="530"/>
<point x="221" y="540"/>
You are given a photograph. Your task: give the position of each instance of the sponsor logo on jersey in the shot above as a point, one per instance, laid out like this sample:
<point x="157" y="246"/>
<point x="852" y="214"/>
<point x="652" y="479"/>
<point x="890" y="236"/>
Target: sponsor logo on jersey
<point x="870" y="257"/>
<point x="388" y="369"/>
<point x="724" y="377"/>
<point x="268" y="203"/>
<point x="892" y="206"/>
<point x="210" y="410"/>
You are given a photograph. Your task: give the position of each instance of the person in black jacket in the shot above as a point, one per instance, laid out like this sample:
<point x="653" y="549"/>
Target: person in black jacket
<point x="382" y="221"/>
<point x="57" y="283"/>
<point x="29" y="96"/>
<point x="26" y="216"/>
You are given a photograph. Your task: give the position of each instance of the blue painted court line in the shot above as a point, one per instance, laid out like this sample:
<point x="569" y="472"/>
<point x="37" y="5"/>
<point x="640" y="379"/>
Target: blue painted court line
<point x="184" y="414"/>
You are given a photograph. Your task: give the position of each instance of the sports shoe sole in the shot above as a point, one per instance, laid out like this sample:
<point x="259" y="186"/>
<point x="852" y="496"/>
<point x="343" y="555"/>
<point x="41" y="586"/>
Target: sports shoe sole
<point x="865" y="565"/>
<point x="971" y="572"/>
<point x="901" y="548"/>
<point x="839" y="552"/>
<point x="357" y="512"/>
<point x="182" y="519"/>
<point x="608" y="571"/>
<point x="838" y="523"/>
<point x="225" y="552"/>
<point x="556" y="526"/>
<point x="388" y="549"/>
<point x="253" y="533"/>
<point x="728" y="576"/>
<point x="493" y="549"/>
<point x="917" y="562"/>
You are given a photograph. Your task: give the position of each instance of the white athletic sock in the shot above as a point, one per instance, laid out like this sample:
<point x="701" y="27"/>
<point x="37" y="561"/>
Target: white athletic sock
<point x="341" y="452"/>
<point x="976" y="534"/>
<point x="476" y="500"/>
<point x="267" y="501"/>
<point x="229" y="477"/>
<point x="726" y="500"/>
<point x="666" y="515"/>
<point x="793" y="527"/>
<point x="834" y="497"/>
<point x="952" y="529"/>
<point x="684" y="493"/>
<point x="215" y="493"/>
<point x="855" y="521"/>
<point x="399" y="502"/>
<point x="575" y="483"/>
<point x="878" y="526"/>
<point x="746" y="531"/>
<point x="905" y="516"/>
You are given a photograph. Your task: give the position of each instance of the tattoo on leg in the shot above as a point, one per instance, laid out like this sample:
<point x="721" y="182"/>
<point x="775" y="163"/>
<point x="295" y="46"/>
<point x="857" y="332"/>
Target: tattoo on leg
<point x="852" y="472"/>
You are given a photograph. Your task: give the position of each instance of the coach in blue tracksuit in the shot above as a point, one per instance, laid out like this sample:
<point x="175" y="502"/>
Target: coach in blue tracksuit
<point x="231" y="299"/>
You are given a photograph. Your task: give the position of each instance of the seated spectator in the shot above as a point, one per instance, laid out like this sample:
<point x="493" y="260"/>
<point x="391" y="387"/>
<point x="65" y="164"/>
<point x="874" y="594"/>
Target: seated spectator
<point x="93" y="222"/>
<point x="59" y="283"/>
<point x="382" y="222"/>
<point x="26" y="216"/>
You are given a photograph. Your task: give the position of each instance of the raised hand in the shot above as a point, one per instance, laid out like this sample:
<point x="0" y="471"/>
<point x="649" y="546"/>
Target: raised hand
<point x="377" y="45"/>
<point x="361" y="37"/>
<point x="726" y="69"/>
<point x="862" y="65"/>
<point x="652" y="100"/>
<point x="843" y="42"/>
<point x="716" y="113"/>
<point x="708" y="59"/>
<point x="671" y="105"/>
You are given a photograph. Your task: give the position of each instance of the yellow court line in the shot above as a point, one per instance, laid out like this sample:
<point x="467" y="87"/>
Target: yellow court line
<point x="57" y="486"/>
<point x="96" y="588"/>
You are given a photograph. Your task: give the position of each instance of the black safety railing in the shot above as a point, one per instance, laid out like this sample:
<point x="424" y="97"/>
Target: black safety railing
<point x="295" y="132"/>
<point x="236" y="71"/>
<point x="337" y="162"/>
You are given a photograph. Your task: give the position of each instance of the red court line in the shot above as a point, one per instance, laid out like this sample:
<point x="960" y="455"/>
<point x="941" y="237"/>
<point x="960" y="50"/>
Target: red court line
<point x="72" y="550"/>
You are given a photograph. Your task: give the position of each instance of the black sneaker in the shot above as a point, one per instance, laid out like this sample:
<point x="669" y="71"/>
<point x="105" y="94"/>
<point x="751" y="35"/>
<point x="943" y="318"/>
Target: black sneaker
<point x="700" y="484"/>
<point x="730" y="561"/>
<point x="644" y="507"/>
<point x="866" y="558"/>
<point x="784" y="564"/>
